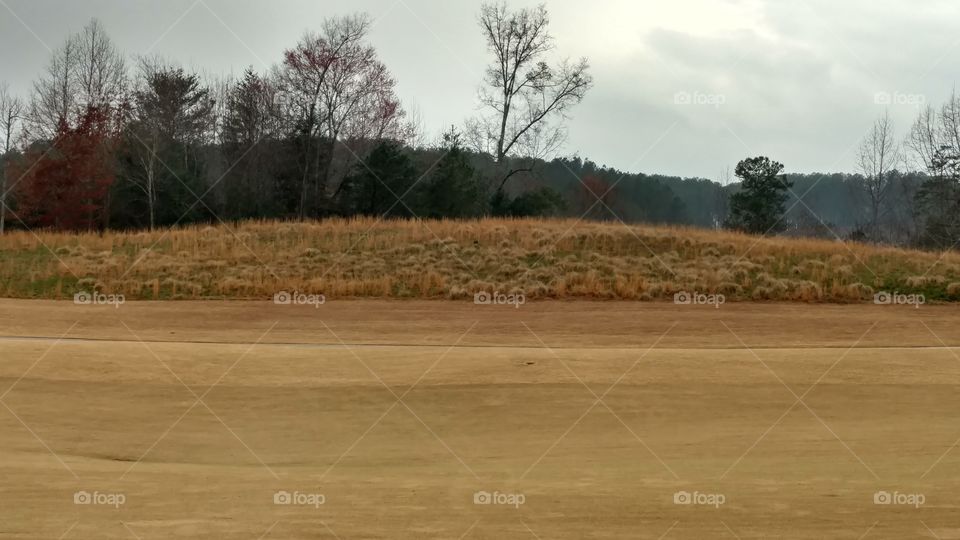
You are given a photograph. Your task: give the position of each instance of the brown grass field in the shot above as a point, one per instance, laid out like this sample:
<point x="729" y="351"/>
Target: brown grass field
<point x="455" y="259"/>
<point x="598" y="413"/>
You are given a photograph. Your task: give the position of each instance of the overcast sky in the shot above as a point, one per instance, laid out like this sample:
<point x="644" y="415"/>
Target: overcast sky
<point x="684" y="87"/>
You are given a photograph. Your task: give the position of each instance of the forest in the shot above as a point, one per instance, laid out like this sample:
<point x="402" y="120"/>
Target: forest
<point x="111" y="141"/>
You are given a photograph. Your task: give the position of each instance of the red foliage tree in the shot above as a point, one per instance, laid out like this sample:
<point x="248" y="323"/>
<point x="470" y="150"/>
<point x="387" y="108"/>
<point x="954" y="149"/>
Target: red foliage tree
<point x="66" y="186"/>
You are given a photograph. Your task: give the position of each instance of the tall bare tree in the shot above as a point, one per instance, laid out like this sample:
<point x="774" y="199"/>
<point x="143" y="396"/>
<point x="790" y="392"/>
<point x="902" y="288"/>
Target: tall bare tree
<point x="11" y="113"/>
<point x="880" y="154"/>
<point x="934" y="141"/>
<point x="335" y="88"/>
<point x="302" y="78"/>
<point x="526" y="99"/>
<point x="362" y="110"/>
<point x="936" y="134"/>
<point x="101" y="73"/>
<point x="88" y="70"/>
<point x="54" y="93"/>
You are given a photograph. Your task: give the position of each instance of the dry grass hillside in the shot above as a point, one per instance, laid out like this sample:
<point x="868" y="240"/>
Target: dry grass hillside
<point x="557" y="259"/>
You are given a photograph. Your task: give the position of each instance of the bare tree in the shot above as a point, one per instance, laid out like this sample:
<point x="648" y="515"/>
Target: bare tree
<point x="54" y="96"/>
<point x="526" y="99"/>
<point x="101" y="73"/>
<point x="924" y="139"/>
<point x="934" y="141"/>
<point x="302" y="78"/>
<point x="934" y="138"/>
<point x="879" y="155"/>
<point x="11" y="112"/>
<point x="87" y="70"/>
<point x="335" y="88"/>
<point x="362" y="111"/>
<point x="417" y="130"/>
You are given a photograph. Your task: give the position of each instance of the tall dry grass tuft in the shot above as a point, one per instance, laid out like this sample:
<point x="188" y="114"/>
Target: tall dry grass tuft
<point x="363" y="257"/>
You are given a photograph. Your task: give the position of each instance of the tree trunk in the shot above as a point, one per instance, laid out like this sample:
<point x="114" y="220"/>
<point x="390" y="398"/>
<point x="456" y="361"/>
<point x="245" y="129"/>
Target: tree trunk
<point x="307" y="139"/>
<point x="151" y="188"/>
<point x="324" y="171"/>
<point x="3" y="195"/>
<point x="105" y="218"/>
<point x="3" y="199"/>
<point x="3" y="179"/>
<point x="503" y="129"/>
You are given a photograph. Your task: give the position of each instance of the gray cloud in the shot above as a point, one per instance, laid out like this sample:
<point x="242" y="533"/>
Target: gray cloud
<point x="797" y="79"/>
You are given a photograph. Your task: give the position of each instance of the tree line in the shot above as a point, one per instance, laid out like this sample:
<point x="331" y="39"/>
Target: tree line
<point x="907" y="190"/>
<point x="104" y="140"/>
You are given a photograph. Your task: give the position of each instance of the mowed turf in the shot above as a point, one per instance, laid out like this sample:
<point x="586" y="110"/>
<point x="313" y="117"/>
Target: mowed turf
<point x="398" y="413"/>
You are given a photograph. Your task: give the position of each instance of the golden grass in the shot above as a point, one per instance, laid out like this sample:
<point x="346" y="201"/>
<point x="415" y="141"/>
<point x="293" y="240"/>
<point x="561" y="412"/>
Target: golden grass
<point x="455" y="259"/>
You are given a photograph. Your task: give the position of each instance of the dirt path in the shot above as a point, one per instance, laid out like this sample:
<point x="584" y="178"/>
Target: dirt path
<point x="558" y="324"/>
<point x="789" y="420"/>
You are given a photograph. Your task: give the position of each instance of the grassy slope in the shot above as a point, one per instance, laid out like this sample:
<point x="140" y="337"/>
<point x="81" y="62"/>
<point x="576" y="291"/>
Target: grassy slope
<point x="453" y="259"/>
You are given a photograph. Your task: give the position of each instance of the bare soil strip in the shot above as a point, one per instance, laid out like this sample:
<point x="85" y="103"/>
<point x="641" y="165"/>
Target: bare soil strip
<point x="585" y="419"/>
